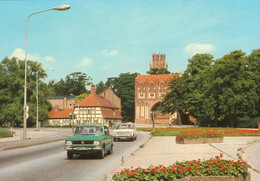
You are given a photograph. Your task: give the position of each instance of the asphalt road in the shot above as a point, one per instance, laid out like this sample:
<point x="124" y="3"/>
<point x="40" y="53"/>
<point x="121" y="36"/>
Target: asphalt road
<point x="49" y="162"/>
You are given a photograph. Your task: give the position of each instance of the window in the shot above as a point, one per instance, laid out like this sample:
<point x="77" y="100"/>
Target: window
<point x="142" y="111"/>
<point x="141" y="95"/>
<point x="151" y="95"/>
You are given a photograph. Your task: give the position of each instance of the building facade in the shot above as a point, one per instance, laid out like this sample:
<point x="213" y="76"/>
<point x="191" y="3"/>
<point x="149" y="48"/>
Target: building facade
<point x="94" y="109"/>
<point x="97" y="109"/>
<point x="149" y="92"/>
<point x="62" y="102"/>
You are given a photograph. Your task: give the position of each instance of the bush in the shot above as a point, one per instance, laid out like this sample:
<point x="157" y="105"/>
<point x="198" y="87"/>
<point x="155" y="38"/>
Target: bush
<point x="248" y="122"/>
<point x="5" y="133"/>
<point x="212" y="167"/>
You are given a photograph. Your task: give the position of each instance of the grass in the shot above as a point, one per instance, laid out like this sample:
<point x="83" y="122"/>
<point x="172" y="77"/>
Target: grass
<point x="5" y="133"/>
<point x="223" y="131"/>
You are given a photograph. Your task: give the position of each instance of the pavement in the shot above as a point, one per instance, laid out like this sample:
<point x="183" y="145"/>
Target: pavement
<point x="157" y="150"/>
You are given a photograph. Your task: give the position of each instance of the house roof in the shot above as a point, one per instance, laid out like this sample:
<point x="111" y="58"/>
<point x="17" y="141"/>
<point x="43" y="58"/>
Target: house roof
<point x="155" y="78"/>
<point x="95" y="100"/>
<point x="110" y="113"/>
<point x="60" y="113"/>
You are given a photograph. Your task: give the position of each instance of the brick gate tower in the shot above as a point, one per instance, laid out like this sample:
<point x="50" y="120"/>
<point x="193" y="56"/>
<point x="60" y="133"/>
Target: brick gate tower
<point x="149" y="92"/>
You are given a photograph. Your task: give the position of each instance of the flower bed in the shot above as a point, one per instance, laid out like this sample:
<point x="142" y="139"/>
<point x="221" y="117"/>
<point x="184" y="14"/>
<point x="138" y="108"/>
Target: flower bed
<point x="215" y="169"/>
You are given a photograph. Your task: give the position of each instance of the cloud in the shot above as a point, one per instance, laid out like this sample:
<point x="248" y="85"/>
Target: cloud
<point x="20" y="54"/>
<point x="111" y="53"/>
<point x="86" y="62"/>
<point x="194" y="48"/>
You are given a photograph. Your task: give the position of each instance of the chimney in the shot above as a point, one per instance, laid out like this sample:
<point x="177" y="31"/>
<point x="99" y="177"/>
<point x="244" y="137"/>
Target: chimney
<point x="56" y="107"/>
<point x="93" y="90"/>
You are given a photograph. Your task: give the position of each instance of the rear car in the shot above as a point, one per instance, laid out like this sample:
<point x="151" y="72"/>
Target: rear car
<point x="125" y="131"/>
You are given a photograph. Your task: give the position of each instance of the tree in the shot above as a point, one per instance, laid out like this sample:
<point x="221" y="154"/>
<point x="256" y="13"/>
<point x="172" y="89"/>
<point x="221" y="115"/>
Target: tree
<point x="12" y="92"/>
<point x="74" y="83"/>
<point x="100" y="87"/>
<point x="124" y="87"/>
<point x="234" y="87"/>
<point x="254" y="66"/>
<point x="217" y="92"/>
<point x="158" y="71"/>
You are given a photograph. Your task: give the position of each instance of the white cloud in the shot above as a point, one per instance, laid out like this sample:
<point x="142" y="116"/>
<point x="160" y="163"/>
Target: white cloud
<point x="111" y="53"/>
<point x="20" y="54"/>
<point x="194" y="48"/>
<point x="86" y="62"/>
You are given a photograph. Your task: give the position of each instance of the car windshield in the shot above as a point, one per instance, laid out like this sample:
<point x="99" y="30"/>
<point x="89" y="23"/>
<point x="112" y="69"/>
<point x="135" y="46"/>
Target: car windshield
<point x="89" y="130"/>
<point x="125" y="126"/>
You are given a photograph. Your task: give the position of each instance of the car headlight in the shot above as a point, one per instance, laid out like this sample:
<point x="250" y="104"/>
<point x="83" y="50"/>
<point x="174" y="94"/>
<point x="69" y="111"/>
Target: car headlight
<point x="131" y="133"/>
<point x="68" y="142"/>
<point x="96" y="142"/>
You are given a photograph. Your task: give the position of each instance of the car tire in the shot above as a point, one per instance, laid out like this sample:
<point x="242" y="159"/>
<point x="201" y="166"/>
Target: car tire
<point x="110" y="150"/>
<point x="101" y="154"/>
<point x="69" y="155"/>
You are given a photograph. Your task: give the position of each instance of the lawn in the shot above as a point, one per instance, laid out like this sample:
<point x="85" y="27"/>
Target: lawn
<point x="5" y="133"/>
<point x="222" y="131"/>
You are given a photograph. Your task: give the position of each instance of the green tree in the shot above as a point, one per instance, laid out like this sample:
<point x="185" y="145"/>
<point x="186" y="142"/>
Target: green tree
<point x="100" y="87"/>
<point x="254" y="66"/>
<point x="12" y="92"/>
<point x="74" y="83"/>
<point x="234" y="87"/>
<point x="124" y="87"/>
<point x="158" y="71"/>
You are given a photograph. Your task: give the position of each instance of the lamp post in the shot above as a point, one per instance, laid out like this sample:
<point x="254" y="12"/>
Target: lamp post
<point x="25" y="116"/>
<point x="36" y="95"/>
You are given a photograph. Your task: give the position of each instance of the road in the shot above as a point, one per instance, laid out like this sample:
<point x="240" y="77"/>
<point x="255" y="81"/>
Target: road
<point x="49" y="162"/>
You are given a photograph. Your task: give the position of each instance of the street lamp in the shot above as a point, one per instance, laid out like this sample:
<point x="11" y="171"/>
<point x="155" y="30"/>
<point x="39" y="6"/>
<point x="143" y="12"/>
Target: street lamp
<point x="59" y="8"/>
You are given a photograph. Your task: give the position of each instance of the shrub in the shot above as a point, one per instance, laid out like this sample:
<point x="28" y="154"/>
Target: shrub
<point x="5" y="133"/>
<point x="212" y="167"/>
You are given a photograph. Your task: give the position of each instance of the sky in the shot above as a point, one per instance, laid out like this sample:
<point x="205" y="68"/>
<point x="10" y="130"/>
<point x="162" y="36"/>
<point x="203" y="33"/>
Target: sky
<point x="104" y="38"/>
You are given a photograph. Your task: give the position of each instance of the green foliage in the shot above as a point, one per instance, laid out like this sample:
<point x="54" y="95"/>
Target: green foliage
<point x="74" y="83"/>
<point x="154" y="71"/>
<point x="100" y="87"/>
<point x="124" y="87"/>
<point x="12" y="92"/>
<point x="248" y="122"/>
<point x="217" y="92"/>
<point x="81" y="97"/>
<point x="5" y="133"/>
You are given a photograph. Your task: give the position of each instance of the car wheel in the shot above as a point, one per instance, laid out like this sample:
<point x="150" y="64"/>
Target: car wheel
<point x="69" y="155"/>
<point x="101" y="154"/>
<point x="110" y="150"/>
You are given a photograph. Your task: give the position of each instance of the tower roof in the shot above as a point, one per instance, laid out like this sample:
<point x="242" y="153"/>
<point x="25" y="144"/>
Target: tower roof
<point x="155" y="78"/>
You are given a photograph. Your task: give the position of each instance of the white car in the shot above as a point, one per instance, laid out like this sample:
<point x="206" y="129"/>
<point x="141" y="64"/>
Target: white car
<point x="125" y="131"/>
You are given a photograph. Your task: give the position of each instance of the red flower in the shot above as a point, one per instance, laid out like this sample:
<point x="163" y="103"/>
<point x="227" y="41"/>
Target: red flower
<point x="131" y="174"/>
<point x="174" y="170"/>
<point x="224" y="170"/>
<point x="190" y="168"/>
<point x="221" y="155"/>
<point x="217" y="157"/>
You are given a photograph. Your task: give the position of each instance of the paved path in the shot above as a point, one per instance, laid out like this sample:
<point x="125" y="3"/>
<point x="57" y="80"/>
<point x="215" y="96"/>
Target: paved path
<point x="164" y="151"/>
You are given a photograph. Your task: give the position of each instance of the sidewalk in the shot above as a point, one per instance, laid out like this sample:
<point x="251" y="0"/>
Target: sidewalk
<point x="164" y="151"/>
<point x="43" y="136"/>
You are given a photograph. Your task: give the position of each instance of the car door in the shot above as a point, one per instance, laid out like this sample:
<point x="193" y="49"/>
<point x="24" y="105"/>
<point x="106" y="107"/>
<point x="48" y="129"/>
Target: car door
<point x="108" y="138"/>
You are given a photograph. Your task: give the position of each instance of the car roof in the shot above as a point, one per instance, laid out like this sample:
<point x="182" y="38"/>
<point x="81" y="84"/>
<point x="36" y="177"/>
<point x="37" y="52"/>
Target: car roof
<point x="91" y="125"/>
